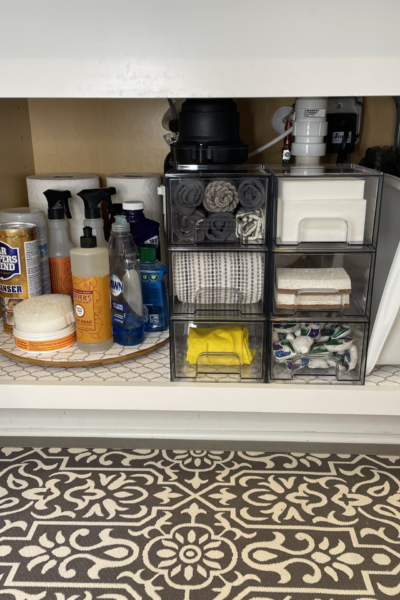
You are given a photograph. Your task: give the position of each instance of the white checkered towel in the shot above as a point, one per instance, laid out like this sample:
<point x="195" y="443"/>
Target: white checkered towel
<point x="218" y="277"/>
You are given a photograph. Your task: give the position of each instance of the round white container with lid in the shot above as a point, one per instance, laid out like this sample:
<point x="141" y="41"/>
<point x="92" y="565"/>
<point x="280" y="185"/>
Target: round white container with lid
<point x="43" y="343"/>
<point x="44" y="324"/>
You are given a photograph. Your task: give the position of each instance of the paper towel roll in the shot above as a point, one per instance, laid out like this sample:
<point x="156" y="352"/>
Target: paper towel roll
<point x="141" y="187"/>
<point x="74" y="182"/>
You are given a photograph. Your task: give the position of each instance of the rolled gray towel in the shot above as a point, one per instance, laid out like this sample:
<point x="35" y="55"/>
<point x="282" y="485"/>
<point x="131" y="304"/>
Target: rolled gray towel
<point x="250" y="225"/>
<point x="220" y="196"/>
<point x="188" y="195"/>
<point x="221" y="227"/>
<point x="184" y="226"/>
<point x="251" y="193"/>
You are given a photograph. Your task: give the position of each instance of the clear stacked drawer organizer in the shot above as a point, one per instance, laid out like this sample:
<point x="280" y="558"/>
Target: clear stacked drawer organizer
<point x="330" y="284"/>
<point x="217" y="220"/>
<point x="331" y="350"/>
<point x="324" y="225"/>
<point x="241" y="360"/>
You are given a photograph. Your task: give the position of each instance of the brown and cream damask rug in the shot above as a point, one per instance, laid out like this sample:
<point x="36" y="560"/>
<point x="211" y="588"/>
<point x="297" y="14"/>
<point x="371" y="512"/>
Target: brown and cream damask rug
<point x="97" y="524"/>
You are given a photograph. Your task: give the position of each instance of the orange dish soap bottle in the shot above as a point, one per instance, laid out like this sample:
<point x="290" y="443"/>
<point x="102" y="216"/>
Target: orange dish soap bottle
<point x="91" y="288"/>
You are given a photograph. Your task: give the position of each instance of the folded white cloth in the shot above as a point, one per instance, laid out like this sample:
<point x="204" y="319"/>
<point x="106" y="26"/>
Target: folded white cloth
<point x="218" y="277"/>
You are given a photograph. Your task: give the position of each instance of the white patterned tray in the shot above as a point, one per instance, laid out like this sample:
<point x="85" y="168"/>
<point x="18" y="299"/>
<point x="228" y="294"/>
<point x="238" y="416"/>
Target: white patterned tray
<point x="73" y="357"/>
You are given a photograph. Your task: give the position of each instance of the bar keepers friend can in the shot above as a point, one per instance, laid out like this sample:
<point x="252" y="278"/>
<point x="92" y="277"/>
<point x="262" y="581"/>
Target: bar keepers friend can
<point x="20" y="276"/>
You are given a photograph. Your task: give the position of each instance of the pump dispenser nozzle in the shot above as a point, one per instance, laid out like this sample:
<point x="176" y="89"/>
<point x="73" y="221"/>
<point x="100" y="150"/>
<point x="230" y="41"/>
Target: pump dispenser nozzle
<point x="58" y="204"/>
<point x="93" y="198"/>
<point x="87" y="239"/>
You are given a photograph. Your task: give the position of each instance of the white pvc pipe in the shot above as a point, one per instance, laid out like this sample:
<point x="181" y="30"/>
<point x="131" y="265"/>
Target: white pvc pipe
<point x="307" y="160"/>
<point x="272" y="142"/>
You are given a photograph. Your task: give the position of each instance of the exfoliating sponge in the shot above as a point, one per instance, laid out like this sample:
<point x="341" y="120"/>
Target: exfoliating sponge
<point x="44" y="314"/>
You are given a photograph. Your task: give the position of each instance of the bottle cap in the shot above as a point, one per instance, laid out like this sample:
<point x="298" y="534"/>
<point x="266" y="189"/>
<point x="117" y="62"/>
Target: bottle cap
<point x="120" y="224"/>
<point x="87" y="239"/>
<point x="148" y="253"/>
<point x="133" y="205"/>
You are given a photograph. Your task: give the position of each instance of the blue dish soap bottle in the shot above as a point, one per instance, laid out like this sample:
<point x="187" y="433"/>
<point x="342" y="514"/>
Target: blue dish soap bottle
<point x="126" y="291"/>
<point x="153" y="273"/>
<point x="143" y="230"/>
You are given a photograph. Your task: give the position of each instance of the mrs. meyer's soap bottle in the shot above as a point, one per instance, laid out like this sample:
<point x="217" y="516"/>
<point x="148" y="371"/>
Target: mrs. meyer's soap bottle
<point x="91" y="285"/>
<point x="126" y="291"/>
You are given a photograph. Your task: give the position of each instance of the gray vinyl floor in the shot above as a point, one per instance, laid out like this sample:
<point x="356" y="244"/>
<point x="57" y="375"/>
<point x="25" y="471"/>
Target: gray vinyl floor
<point x="215" y="523"/>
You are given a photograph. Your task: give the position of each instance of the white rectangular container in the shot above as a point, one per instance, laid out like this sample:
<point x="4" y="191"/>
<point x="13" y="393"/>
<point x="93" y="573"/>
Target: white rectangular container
<point x="321" y="189"/>
<point x="334" y="220"/>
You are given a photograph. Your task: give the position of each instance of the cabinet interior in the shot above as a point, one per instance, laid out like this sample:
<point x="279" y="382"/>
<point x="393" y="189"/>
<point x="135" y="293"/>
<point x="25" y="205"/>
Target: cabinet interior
<point x="105" y="136"/>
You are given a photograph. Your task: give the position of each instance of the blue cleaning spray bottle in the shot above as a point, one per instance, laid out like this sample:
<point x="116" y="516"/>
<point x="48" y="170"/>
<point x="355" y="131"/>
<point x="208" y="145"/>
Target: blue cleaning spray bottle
<point x="144" y="230"/>
<point x="153" y="274"/>
<point x="126" y="292"/>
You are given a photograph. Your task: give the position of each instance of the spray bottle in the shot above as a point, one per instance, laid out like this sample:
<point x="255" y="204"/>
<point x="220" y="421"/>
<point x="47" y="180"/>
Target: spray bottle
<point x="91" y="286"/>
<point x="113" y="210"/>
<point x="92" y="200"/>
<point x="59" y="242"/>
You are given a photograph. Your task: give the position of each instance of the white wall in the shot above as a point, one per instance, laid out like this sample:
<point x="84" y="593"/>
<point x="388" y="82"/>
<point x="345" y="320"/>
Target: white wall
<point x="181" y="48"/>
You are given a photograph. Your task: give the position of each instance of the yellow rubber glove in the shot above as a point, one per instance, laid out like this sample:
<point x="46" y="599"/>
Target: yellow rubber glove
<point x="222" y="339"/>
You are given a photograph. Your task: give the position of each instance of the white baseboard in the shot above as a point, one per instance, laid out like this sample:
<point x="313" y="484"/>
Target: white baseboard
<point x="179" y="425"/>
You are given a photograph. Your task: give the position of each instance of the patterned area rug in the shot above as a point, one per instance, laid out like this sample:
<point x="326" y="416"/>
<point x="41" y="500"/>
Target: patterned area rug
<point x="84" y="524"/>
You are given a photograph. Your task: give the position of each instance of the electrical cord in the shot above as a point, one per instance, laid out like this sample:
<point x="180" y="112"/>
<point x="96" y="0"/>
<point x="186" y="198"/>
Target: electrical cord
<point x="272" y="142"/>
<point x="342" y="155"/>
<point x="173" y="109"/>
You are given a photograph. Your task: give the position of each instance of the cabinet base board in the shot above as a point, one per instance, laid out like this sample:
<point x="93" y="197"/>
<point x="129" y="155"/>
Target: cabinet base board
<point x="269" y="430"/>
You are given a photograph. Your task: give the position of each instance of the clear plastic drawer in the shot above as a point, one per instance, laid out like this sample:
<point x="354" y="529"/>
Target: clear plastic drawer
<point x="325" y="204"/>
<point x="226" y="351"/>
<point x="224" y="283"/>
<point x="335" y="285"/>
<point x="214" y="207"/>
<point x="320" y="351"/>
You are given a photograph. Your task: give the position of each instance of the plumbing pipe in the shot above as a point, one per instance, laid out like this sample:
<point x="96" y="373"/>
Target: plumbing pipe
<point x="309" y="129"/>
